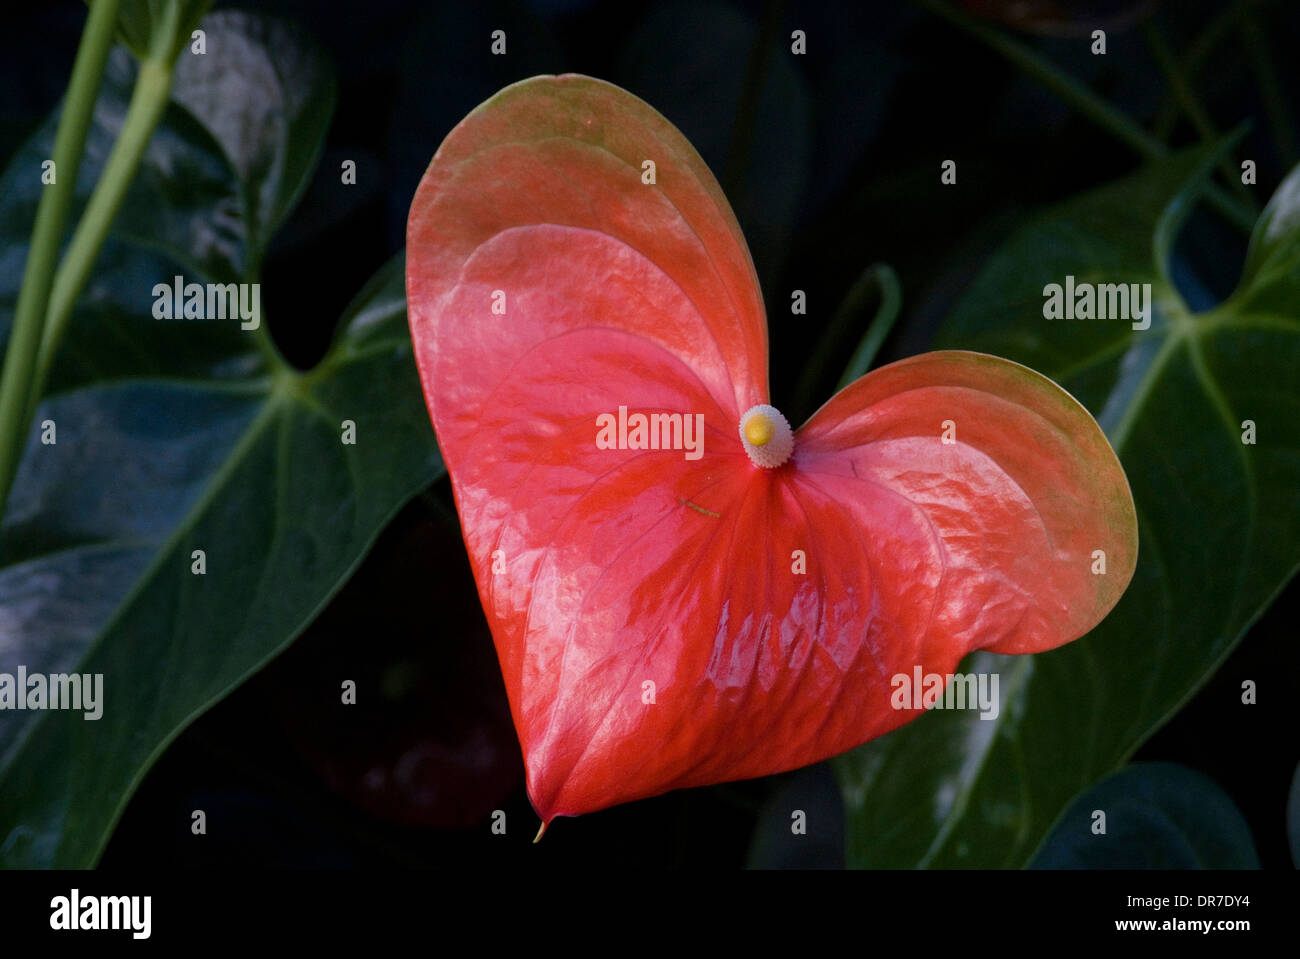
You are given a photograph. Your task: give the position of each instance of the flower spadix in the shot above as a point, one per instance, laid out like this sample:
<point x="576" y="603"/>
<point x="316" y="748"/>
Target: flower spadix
<point x="705" y="594"/>
<point x="767" y="436"/>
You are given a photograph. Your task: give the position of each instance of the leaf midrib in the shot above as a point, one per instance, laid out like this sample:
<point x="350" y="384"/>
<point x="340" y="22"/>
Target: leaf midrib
<point x="1184" y="328"/>
<point x="252" y="433"/>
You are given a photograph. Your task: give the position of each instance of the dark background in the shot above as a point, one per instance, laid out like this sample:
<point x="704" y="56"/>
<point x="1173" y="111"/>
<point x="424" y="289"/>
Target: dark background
<point x="831" y="161"/>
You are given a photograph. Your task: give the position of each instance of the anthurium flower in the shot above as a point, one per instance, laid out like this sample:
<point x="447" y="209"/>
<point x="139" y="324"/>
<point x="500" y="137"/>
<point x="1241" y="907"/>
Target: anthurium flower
<point x="681" y="589"/>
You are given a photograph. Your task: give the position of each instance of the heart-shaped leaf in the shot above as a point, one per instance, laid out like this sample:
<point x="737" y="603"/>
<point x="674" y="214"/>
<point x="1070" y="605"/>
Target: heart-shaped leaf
<point x="668" y="612"/>
<point x="1152" y="816"/>
<point x="174" y="436"/>
<point x="1205" y="414"/>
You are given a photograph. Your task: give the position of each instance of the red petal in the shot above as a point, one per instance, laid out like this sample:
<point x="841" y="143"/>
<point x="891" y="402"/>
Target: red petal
<point x="604" y="570"/>
<point x="546" y="177"/>
<point x="1019" y="503"/>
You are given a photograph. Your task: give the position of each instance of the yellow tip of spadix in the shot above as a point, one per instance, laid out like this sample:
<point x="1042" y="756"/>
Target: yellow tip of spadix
<point x="767" y="436"/>
<point x="759" y="430"/>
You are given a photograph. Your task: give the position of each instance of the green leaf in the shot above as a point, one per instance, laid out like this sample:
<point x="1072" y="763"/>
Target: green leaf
<point x="180" y="216"/>
<point x="1219" y="521"/>
<point x="183" y="435"/>
<point x="1157" y="816"/>
<point x="266" y="97"/>
<point x="1272" y="270"/>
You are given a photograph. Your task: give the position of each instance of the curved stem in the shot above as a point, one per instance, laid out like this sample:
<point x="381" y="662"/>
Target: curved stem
<point x="1078" y="96"/>
<point x="148" y="100"/>
<point x="1185" y="97"/>
<point x="1275" y="103"/>
<point x="882" y="276"/>
<point x="1049" y="75"/>
<point x="16" y="402"/>
<point x="1193" y="58"/>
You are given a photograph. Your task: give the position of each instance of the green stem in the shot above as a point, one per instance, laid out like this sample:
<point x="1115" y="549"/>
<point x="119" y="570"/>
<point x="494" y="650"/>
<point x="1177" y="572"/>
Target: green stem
<point x="148" y="101"/>
<point x="1049" y="75"/>
<point x="882" y="276"/>
<point x="1190" y="62"/>
<point x="1275" y="104"/>
<point x="1081" y="99"/>
<point x="877" y="276"/>
<point x="1186" y="97"/>
<point x="16" y="401"/>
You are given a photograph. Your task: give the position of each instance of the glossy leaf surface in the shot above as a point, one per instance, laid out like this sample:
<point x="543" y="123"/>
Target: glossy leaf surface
<point x="183" y="435"/>
<point x="1218" y="516"/>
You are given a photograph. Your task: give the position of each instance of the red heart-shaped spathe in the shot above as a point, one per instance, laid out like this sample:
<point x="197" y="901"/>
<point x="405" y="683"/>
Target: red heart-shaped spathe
<point x="665" y="621"/>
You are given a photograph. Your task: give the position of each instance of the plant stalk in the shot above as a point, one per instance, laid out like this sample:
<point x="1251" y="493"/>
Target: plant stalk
<point x="1079" y="97"/>
<point x="1194" y="57"/>
<point x="16" y="394"/>
<point x="882" y="276"/>
<point x="878" y="276"/>
<point x="1185" y="97"/>
<point x="1270" y="90"/>
<point x="148" y="101"/>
